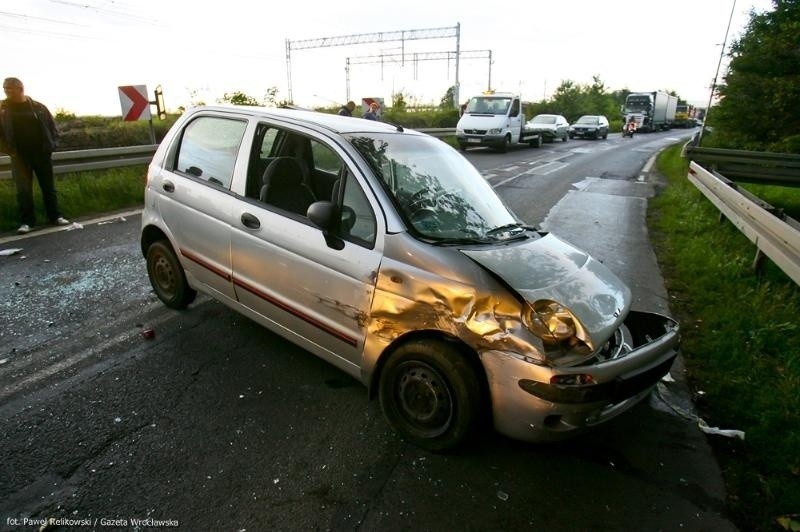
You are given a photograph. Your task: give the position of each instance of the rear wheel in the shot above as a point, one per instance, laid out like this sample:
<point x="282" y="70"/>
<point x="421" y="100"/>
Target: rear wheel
<point x="167" y="276"/>
<point x="430" y="394"/>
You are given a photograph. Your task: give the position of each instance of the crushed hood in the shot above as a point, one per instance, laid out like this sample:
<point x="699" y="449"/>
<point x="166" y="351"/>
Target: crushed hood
<point x="549" y="268"/>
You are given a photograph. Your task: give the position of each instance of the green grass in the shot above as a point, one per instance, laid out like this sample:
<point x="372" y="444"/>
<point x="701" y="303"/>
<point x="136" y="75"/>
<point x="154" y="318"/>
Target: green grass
<point x="80" y="194"/>
<point x="741" y="344"/>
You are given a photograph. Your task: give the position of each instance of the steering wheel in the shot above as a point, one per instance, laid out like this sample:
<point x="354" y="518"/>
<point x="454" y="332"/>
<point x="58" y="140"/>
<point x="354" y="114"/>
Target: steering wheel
<point x="422" y="204"/>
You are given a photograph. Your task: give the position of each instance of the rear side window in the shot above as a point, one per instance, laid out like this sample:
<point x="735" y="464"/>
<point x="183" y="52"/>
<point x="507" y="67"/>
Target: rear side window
<point x="209" y="147"/>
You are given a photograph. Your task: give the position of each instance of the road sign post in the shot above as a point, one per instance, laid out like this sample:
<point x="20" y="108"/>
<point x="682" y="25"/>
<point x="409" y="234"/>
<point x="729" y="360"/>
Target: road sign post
<point x="136" y="105"/>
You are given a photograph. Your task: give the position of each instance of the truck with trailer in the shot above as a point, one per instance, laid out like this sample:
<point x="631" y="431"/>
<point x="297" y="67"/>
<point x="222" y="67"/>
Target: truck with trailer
<point x="652" y="111"/>
<point x="684" y="115"/>
<point x="495" y="119"/>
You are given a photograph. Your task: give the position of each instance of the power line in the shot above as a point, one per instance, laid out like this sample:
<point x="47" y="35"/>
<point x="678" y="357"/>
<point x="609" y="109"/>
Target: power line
<point x="32" y="17"/>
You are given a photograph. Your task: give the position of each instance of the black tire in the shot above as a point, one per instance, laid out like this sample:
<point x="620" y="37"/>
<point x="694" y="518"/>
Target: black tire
<point x="536" y="143"/>
<point x="572" y="136"/>
<point x="430" y="394"/>
<point x="167" y="276"/>
<point x="564" y="138"/>
<point x="462" y="147"/>
<point x="503" y="148"/>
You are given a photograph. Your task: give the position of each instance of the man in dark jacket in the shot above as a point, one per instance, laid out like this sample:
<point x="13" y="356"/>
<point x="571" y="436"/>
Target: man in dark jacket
<point x="347" y="110"/>
<point x="28" y="134"/>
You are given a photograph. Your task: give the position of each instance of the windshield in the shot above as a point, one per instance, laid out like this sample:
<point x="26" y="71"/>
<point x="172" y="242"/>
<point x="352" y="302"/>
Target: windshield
<point x="588" y="120"/>
<point x="540" y="119"/>
<point x="637" y="103"/>
<point x="437" y="191"/>
<point x="490" y="105"/>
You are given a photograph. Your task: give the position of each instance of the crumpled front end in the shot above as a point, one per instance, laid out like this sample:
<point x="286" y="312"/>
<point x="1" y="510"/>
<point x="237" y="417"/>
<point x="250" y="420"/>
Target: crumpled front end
<point x="552" y="328"/>
<point x="535" y="403"/>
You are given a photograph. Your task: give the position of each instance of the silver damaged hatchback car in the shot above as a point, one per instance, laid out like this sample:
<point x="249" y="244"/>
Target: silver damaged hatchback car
<point x="386" y="253"/>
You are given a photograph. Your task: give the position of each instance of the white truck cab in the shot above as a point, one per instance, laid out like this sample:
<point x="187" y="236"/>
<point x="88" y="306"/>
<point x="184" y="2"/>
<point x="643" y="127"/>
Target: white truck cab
<point x="495" y="119"/>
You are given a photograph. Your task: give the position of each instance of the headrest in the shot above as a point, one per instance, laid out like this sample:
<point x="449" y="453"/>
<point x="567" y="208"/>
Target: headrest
<point x="282" y="170"/>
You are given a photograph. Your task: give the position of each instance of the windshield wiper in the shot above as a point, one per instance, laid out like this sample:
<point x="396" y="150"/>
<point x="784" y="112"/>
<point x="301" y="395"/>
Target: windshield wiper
<point x="508" y="228"/>
<point x="459" y="241"/>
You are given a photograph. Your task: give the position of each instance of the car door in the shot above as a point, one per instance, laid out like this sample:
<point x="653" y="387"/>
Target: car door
<point x="561" y="127"/>
<point x="195" y="199"/>
<point x="291" y="279"/>
<point x="515" y="119"/>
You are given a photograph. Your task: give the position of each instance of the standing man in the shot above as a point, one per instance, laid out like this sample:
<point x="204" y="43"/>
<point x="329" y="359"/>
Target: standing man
<point x="347" y="109"/>
<point x="28" y="134"/>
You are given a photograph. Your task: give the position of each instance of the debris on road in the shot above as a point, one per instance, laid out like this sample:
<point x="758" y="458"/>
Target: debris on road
<point x="662" y="393"/>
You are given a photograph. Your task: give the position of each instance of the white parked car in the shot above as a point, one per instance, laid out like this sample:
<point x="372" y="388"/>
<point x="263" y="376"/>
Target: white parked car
<point x="386" y="253"/>
<point x="550" y="126"/>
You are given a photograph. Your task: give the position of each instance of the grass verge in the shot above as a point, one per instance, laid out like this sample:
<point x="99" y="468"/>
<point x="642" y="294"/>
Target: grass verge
<point x="741" y="344"/>
<point x="80" y="194"/>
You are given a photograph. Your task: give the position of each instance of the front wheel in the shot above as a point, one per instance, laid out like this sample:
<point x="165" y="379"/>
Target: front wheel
<point x="167" y="276"/>
<point x="430" y="394"/>
<point x="503" y="148"/>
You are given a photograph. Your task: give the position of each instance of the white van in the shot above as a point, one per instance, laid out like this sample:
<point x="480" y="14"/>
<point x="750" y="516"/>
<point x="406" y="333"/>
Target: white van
<point x="495" y="119"/>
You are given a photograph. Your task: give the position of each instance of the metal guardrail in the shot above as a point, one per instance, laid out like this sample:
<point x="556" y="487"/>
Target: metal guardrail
<point x="98" y="159"/>
<point x="775" y="235"/>
<point x="749" y="166"/>
<point x="105" y="158"/>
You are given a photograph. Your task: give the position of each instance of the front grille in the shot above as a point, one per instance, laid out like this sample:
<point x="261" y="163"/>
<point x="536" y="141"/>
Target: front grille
<point x="475" y="131"/>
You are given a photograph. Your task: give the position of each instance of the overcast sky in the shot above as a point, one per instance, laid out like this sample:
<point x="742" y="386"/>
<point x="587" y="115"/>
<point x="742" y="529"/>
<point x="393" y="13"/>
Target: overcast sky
<point x="73" y="54"/>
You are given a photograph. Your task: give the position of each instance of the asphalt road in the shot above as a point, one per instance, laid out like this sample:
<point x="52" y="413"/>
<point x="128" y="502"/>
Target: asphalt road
<point x="216" y="424"/>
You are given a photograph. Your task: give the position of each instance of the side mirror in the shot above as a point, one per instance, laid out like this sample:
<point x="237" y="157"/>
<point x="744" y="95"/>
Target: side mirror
<point x="321" y="214"/>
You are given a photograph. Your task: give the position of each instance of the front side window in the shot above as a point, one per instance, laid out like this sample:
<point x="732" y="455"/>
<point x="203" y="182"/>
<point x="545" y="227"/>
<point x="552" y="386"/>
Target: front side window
<point x="436" y="190"/>
<point x="325" y="159"/>
<point x="209" y="147"/>
<point x="357" y="219"/>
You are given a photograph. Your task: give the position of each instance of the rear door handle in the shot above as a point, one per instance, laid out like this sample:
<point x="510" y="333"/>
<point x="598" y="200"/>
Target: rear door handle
<point x="250" y="221"/>
<point x="168" y="186"/>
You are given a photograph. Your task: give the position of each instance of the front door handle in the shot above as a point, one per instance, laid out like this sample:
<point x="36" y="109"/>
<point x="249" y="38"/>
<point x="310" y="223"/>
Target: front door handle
<point x="250" y="221"/>
<point x="169" y="186"/>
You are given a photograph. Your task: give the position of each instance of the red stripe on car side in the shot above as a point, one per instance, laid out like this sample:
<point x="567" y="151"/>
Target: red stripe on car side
<point x="305" y="317"/>
<point x="194" y="258"/>
<point x="225" y="275"/>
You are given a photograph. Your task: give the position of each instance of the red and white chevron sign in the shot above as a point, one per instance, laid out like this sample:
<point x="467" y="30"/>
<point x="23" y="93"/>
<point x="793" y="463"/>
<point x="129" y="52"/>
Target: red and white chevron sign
<point x="134" y="101"/>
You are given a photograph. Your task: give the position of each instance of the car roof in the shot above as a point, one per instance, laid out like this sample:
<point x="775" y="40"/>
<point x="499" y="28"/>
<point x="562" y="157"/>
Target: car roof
<point x="333" y="122"/>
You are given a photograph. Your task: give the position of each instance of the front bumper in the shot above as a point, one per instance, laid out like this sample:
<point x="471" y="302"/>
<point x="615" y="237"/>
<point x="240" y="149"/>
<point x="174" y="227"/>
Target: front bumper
<point x="481" y="140"/>
<point x="526" y="406"/>
<point x="585" y="132"/>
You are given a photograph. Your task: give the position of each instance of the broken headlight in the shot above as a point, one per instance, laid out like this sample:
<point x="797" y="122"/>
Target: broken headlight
<point x="562" y="334"/>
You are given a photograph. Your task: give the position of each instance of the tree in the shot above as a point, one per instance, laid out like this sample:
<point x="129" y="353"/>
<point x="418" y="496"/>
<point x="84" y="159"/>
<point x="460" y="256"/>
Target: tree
<point x="760" y="95"/>
<point x="398" y="102"/>
<point x="448" y="100"/>
<point x="239" y="98"/>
